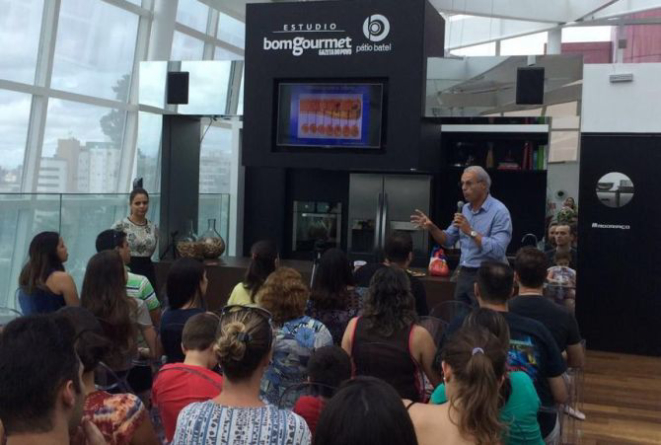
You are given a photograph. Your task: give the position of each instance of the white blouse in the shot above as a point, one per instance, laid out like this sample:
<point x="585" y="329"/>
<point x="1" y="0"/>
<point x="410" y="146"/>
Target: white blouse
<point x="142" y="239"/>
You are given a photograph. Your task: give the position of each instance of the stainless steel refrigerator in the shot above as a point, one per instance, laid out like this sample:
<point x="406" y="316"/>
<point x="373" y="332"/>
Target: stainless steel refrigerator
<point x="379" y="204"/>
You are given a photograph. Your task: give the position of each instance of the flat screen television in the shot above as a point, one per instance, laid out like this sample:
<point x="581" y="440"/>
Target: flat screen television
<point x="330" y="115"/>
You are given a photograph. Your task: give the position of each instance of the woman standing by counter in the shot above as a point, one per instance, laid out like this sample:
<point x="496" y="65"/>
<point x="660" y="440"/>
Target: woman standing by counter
<point x="142" y="235"/>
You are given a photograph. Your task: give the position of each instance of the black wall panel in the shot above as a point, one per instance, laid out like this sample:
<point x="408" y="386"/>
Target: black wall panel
<point x="415" y="31"/>
<point x="619" y="273"/>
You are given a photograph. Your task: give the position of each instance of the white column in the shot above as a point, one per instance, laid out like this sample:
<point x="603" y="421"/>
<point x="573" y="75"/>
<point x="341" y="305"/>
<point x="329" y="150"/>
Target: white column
<point x="162" y="31"/>
<point x="554" y="42"/>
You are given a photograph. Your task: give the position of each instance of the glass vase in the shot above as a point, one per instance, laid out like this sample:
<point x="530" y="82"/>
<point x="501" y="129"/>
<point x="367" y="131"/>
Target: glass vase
<point x="187" y="245"/>
<point x="212" y="243"/>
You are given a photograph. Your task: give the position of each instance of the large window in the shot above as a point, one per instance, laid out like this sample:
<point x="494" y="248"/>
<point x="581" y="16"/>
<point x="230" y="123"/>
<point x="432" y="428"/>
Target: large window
<point x="83" y="142"/>
<point x="147" y="152"/>
<point x="14" y="117"/>
<point x="193" y="14"/>
<point x="185" y="47"/>
<point x="231" y="30"/>
<point x="20" y="23"/>
<point x="216" y="160"/>
<point x="94" y="49"/>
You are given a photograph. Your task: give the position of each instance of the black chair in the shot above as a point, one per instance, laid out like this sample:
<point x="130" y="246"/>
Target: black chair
<point x="449" y="310"/>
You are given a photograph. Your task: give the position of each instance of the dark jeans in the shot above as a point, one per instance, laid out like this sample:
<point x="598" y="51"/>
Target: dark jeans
<point x="465" y="291"/>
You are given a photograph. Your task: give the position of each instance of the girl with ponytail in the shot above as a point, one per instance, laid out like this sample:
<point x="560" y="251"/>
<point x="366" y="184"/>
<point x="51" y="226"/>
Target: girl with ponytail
<point x="474" y="366"/>
<point x="238" y="416"/>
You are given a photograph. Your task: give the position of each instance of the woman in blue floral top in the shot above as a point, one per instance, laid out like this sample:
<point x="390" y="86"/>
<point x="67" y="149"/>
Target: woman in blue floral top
<point x="296" y="335"/>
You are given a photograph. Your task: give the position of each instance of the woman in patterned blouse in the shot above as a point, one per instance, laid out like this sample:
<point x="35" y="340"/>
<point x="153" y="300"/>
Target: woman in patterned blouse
<point x="238" y="416"/>
<point x="142" y="235"/>
<point x="296" y="335"/>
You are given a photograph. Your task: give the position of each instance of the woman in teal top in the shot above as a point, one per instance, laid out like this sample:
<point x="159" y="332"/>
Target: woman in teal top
<point x="519" y="413"/>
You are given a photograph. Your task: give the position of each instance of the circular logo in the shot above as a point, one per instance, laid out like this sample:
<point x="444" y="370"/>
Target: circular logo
<point x="376" y="28"/>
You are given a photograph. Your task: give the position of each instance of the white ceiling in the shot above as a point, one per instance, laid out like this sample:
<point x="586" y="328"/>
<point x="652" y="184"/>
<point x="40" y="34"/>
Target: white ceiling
<point x="471" y="22"/>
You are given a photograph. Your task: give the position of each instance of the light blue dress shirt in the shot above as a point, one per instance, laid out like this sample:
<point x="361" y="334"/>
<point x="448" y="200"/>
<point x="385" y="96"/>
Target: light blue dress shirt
<point x="494" y="223"/>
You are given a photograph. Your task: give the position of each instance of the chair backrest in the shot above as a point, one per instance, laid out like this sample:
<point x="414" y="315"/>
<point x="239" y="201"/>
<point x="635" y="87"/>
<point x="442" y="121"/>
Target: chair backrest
<point x="291" y="395"/>
<point x="449" y="310"/>
<point x="8" y="314"/>
<point x="435" y="326"/>
<point x="105" y="379"/>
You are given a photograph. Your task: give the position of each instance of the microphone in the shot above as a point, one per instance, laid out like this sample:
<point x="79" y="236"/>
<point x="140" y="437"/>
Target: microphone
<point x="460" y="206"/>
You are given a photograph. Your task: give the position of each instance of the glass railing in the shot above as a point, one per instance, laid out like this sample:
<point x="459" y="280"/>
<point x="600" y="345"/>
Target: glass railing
<point x="79" y="218"/>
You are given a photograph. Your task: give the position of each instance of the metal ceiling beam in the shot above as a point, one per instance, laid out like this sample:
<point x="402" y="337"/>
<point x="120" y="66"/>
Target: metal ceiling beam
<point x="625" y="7"/>
<point x="477" y="30"/>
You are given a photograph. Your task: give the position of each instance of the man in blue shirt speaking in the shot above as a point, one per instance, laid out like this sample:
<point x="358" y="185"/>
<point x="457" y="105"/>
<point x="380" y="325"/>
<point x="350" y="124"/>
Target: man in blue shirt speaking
<point x="483" y="229"/>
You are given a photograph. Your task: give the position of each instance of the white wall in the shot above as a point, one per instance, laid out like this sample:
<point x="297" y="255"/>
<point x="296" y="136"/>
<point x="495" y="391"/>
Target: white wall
<point x="562" y="176"/>
<point x="633" y="107"/>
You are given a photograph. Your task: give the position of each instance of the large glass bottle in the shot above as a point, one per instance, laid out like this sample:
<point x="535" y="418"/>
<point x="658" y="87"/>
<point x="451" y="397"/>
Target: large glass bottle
<point x="187" y="245"/>
<point x="212" y="243"/>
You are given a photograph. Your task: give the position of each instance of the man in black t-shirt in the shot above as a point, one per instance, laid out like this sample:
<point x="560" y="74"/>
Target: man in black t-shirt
<point x="530" y="273"/>
<point x="532" y="347"/>
<point x="399" y="251"/>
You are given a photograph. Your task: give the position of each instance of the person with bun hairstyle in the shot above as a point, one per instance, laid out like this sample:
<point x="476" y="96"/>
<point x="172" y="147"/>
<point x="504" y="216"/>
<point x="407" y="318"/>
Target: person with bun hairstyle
<point x="365" y="411"/>
<point x="263" y="261"/>
<point x="44" y="286"/>
<point x="238" y="416"/>
<point x="474" y="366"/>
<point x="142" y="235"/>
<point x="518" y="395"/>
<point x="285" y="295"/>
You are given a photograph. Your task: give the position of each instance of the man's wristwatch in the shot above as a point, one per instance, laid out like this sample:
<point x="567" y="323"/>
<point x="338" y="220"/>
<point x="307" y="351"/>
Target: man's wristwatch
<point x="473" y="234"/>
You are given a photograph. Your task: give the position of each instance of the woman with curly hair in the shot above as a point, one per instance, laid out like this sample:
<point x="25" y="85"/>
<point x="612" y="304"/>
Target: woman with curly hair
<point x="285" y="295"/>
<point x="385" y="341"/>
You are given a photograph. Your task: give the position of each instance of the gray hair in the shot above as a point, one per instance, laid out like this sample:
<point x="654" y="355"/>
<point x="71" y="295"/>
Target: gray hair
<point x="481" y="174"/>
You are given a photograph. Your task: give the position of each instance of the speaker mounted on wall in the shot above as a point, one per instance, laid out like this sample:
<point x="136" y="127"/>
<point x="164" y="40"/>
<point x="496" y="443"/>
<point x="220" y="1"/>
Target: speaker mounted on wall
<point x="177" y="88"/>
<point x="530" y="85"/>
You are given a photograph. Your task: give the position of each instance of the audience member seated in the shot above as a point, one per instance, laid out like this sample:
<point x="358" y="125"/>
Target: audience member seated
<point x="121" y="317"/>
<point x="296" y="335"/>
<point x="549" y="241"/>
<point x="519" y="400"/>
<point x="399" y="251"/>
<point x="385" y="341"/>
<point x="365" y="411"/>
<point x="327" y="369"/>
<point x="137" y="286"/>
<point x="44" y="286"/>
<point x="333" y="299"/>
<point x="564" y="237"/>
<point x="532" y="348"/>
<point x="41" y="391"/>
<point x="185" y="289"/>
<point x="263" y="261"/>
<point x="180" y="384"/>
<point x="238" y="416"/>
<point x="121" y="418"/>
<point x="530" y="273"/>
<point x="561" y="280"/>
<point x="474" y="366"/>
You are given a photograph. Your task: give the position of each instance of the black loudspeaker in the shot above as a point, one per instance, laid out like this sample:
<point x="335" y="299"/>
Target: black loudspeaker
<point x="177" y="87"/>
<point x="530" y="85"/>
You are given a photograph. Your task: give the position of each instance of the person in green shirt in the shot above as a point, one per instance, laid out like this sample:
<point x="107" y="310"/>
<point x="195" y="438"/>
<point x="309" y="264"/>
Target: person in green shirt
<point x="519" y="413"/>
<point x="263" y="261"/>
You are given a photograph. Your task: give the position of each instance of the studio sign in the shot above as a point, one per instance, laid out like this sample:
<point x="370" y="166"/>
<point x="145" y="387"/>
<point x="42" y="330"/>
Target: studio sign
<point x="375" y="29"/>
